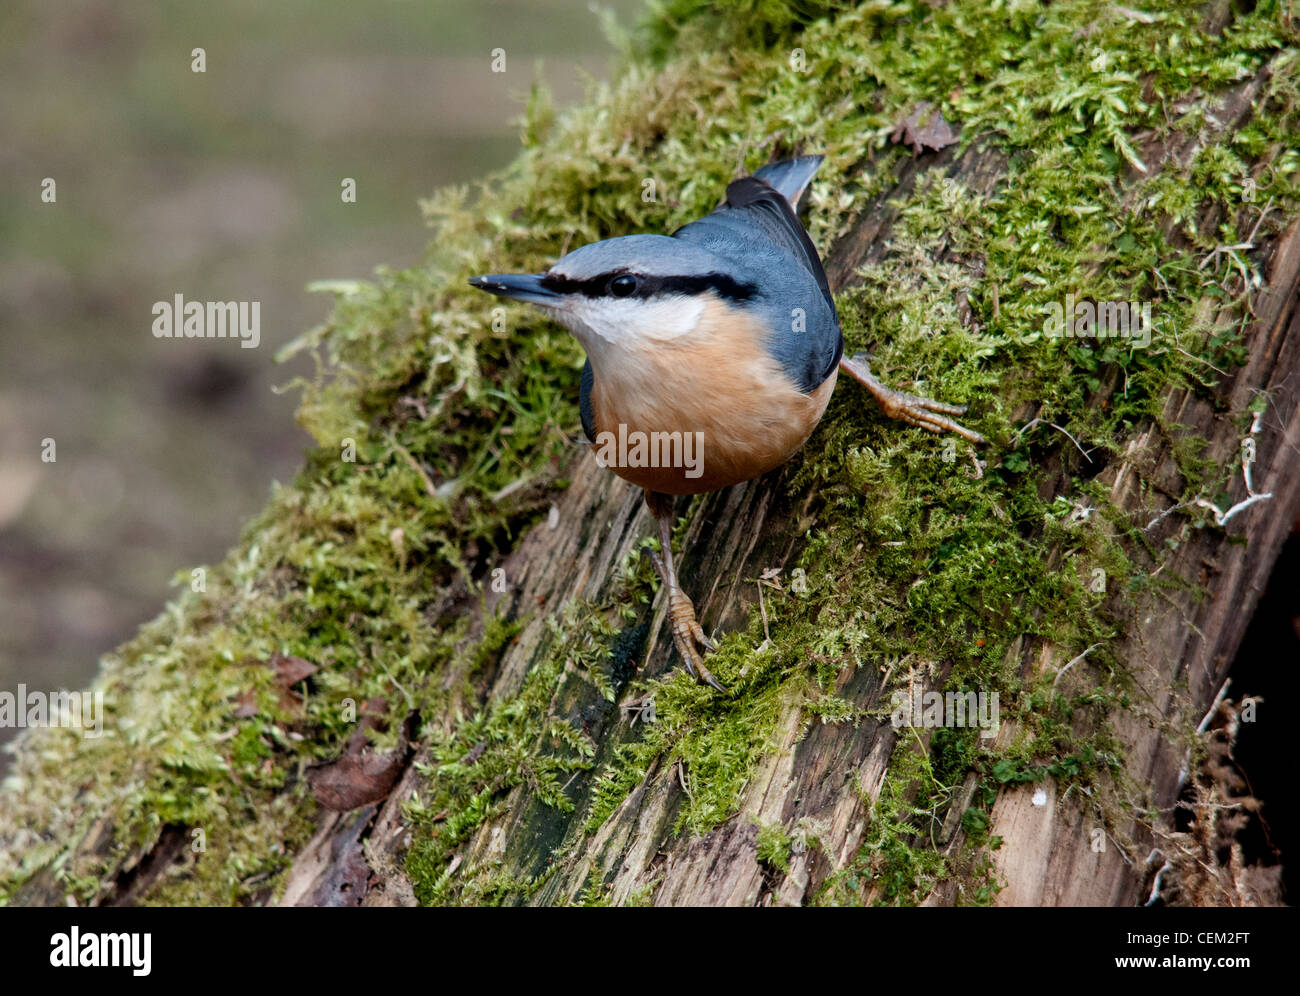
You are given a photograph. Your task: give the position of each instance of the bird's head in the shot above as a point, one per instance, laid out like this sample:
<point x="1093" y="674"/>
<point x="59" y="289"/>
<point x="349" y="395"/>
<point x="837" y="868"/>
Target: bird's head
<point x="626" y="292"/>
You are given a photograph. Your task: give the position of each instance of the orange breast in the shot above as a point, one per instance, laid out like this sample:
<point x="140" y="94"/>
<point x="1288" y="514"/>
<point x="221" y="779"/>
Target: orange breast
<point x="712" y="405"/>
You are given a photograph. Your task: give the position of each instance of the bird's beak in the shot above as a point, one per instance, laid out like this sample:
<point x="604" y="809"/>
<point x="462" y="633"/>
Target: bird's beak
<point x="520" y="286"/>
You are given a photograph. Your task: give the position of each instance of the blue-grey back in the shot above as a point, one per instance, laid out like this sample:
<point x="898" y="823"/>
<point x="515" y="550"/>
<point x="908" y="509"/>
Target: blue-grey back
<point x="764" y="244"/>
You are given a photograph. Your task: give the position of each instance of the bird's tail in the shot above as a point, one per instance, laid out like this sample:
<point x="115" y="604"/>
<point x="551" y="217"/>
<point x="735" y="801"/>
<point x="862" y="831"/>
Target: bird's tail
<point x="790" y="177"/>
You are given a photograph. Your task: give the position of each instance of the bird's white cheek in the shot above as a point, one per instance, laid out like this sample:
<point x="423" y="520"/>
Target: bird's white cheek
<point x="604" y="323"/>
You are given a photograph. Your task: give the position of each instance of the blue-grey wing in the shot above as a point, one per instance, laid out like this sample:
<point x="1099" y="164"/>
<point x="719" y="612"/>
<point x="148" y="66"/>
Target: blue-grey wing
<point x="757" y="231"/>
<point x="585" y="410"/>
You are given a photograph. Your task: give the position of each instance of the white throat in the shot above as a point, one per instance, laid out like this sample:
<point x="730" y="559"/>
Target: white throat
<point x="610" y="324"/>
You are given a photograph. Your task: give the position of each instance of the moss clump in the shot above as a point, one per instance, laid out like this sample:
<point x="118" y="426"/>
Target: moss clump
<point x="442" y="426"/>
<point x="774" y="846"/>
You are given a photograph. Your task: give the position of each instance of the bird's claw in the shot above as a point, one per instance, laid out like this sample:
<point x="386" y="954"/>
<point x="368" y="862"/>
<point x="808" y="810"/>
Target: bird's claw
<point x="923" y="413"/>
<point x="688" y="634"/>
<point x="688" y="637"/>
<point x="926" y="414"/>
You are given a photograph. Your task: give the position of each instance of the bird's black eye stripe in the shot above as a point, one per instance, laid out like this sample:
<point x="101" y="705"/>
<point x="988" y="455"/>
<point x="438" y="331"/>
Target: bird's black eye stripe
<point x="602" y="285"/>
<point x="720" y="283"/>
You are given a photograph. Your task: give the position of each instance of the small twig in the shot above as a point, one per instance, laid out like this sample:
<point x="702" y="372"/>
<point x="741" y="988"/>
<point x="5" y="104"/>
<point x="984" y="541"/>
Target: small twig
<point x="1155" y="886"/>
<point x="1141" y="16"/>
<point x="1262" y="215"/>
<point x="1221" y="518"/>
<point x="1073" y="440"/>
<point x="1122" y="853"/>
<point x="418" y="404"/>
<point x="1026" y="427"/>
<point x="642" y="708"/>
<point x="681" y="777"/>
<point x="410" y="699"/>
<point x="1029" y="425"/>
<point x="1201" y="360"/>
<point x="766" y="578"/>
<point x="1164" y="283"/>
<point x="1224" y="250"/>
<point x="1247" y="462"/>
<point x="1071" y="664"/>
<point x="512" y="487"/>
<point x="415" y="465"/>
<point x="1214" y="707"/>
<point x="1164" y="515"/>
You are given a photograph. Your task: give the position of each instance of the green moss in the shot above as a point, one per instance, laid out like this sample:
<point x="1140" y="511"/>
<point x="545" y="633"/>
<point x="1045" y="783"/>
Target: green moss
<point x="774" y="846"/>
<point x="914" y="558"/>
<point x="896" y="858"/>
<point x="511" y="743"/>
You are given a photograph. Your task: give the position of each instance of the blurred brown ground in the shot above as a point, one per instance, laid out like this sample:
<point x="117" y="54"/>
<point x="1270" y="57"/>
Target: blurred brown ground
<point x="218" y="186"/>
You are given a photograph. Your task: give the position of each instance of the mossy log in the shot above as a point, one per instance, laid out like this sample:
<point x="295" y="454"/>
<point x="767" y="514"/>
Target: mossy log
<point x="558" y="755"/>
<point x="1179" y="644"/>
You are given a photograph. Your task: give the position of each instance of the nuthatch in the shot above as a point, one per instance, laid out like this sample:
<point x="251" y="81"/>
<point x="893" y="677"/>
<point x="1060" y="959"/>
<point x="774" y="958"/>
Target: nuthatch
<point x="723" y="333"/>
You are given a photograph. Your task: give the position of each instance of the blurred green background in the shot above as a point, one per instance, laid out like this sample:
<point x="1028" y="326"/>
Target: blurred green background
<point x="223" y="185"/>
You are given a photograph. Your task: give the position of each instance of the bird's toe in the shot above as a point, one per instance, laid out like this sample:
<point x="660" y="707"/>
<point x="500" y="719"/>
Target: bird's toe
<point x="688" y="637"/>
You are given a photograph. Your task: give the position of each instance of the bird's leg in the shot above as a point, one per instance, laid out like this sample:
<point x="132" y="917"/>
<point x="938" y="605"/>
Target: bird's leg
<point x="688" y="636"/>
<point x="921" y="412"/>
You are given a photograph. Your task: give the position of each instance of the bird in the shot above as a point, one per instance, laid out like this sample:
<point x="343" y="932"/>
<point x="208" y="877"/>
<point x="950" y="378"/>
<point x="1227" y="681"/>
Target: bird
<point x="711" y="355"/>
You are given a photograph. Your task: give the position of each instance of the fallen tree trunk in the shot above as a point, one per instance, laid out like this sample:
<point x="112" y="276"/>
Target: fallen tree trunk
<point x="1180" y="647"/>
<point x="559" y="759"/>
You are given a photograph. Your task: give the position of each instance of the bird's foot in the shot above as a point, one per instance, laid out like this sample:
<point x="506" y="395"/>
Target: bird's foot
<point x="688" y="637"/>
<point x="920" y="412"/>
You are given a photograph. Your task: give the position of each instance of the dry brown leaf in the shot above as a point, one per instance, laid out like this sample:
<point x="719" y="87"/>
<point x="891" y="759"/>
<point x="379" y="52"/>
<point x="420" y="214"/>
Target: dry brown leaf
<point x="359" y="776"/>
<point x="924" y="129"/>
<point x="290" y="670"/>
